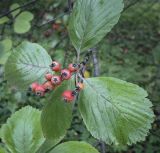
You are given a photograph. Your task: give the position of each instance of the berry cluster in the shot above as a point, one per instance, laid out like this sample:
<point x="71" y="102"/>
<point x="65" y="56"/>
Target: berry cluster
<point x="52" y="81"/>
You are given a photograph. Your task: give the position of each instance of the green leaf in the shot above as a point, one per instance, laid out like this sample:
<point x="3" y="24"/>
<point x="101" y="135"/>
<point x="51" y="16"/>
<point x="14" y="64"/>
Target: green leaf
<point x="23" y="22"/>
<point x="21" y="26"/>
<point x="56" y="115"/>
<point x="26" y="16"/>
<point x="22" y="133"/>
<point x="5" y="47"/>
<point x="117" y="112"/>
<point x="28" y="63"/>
<point x="7" y="44"/>
<point x="48" y="145"/>
<point x="74" y="147"/>
<point x="2" y="150"/>
<point x="156" y="54"/>
<point x="13" y="7"/>
<point x="4" y="20"/>
<point x="91" y="20"/>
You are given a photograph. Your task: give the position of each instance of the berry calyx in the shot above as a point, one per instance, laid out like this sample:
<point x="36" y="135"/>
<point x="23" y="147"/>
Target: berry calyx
<point x="33" y="86"/>
<point x="40" y="90"/>
<point x="48" y="76"/>
<point x="66" y="74"/>
<point x="68" y="96"/>
<point x="80" y="86"/>
<point x="73" y="67"/>
<point x="55" y="66"/>
<point x="56" y="80"/>
<point x="48" y="86"/>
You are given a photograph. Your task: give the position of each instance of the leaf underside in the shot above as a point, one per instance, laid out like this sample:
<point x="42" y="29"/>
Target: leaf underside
<point x="28" y="63"/>
<point x="115" y="111"/>
<point x="22" y="133"/>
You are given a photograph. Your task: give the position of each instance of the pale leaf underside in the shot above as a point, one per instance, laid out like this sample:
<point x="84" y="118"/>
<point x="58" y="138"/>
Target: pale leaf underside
<point x="115" y="111"/>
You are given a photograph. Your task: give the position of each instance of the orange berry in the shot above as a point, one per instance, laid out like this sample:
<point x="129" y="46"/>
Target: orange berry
<point x="66" y="74"/>
<point x="48" y="86"/>
<point x="40" y="90"/>
<point x="68" y="96"/>
<point x="55" y="66"/>
<point x="73" y="67"/>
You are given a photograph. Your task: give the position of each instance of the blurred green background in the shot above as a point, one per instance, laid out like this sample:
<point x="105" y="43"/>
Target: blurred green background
<point x="131" y="51"/>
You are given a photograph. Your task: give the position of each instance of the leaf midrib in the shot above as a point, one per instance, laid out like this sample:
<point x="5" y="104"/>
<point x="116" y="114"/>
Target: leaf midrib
<point x="31" y="65"/>
<point x="100" y="95"/>
<point x="84" y="33"/>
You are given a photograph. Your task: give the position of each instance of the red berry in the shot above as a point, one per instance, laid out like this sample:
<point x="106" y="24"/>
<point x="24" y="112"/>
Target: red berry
<point x="56" y="80"/>
<point x="33" y="86"/>
<point x="47" y="33"/>
<point x="73" y="67"/>
<point x="40" y="90"/>
<point x="48" y="76"/>
<point x="48" y="86"/>
<point x="55" y="66"/>
<point x="66" y="74"/>
<point x="68" y="96"/>
<point x="56" y="26"/>
<point x="80" y="86"/>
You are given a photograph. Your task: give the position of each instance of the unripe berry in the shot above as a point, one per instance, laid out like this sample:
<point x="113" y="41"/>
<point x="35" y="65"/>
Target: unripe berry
<point x="56" y="80"/>
<point x="48" y="76"/>
<point x="73" y="67"/>
<point x="33" y="86"/>
<point x="55" y="66"/>
<point x="80" y="86"/>
<point x="66" y="74"/>
<point x="48" y="86"/>
<point x="68" y="96"/>
<point x="40" y="90"/>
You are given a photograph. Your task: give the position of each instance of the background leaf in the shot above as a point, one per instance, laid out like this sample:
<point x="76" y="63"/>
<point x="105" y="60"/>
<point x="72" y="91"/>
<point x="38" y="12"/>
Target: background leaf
<point x="74" y="146"/>
<point x="156" y="54"/>
<point x="4" y="20"/>
<point x="5" y="50"/>
<point x="91" y="20"/>
<point x="117" y="112"/>
<point x="48" y="145"/>
<point x="22" y="23"/>
<point x="56" y="115"/>
<point x="14" y="6"/>
<point x="21" y="26"/>
<point x="2" y="150"/>
<point x="26" y="15"/>
<point x="28" y="63"/>
<point x="22" y="133"/>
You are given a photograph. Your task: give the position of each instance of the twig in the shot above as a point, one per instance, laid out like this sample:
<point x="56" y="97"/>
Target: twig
<point x="97" y="73"/>
<point x="22" y="6"/>
<point x="65" y="54"/>
<point x="155" y="134"/>
<point x="60" y="16"/>
<point x="51" y="21"/>
<point x="147" y="10"/>
<point x="3" y="30"/>
<point x="130" y="5"/>
<point x="95" y="63"/>
<point x="70" y="5"/>
<point x="103" y="147"/>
